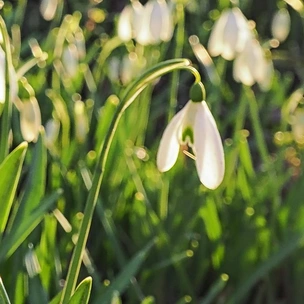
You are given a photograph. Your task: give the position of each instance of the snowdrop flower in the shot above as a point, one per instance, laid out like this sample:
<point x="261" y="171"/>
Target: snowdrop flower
<point x="129" y="22"/>
<point x="124" y="27"/>
<point x="251" y="66"/>
<point x="194" y="125"/>
<point x="48" y="9"/>
<point x="149" y="24"/>
<point x="157" y="24"/>
<point x="280" y="26"/>
<point x="70" y="59"/>
<point x="52" y="128"/>
<point x="229" y="34"/>
<point x="30" y="119"/>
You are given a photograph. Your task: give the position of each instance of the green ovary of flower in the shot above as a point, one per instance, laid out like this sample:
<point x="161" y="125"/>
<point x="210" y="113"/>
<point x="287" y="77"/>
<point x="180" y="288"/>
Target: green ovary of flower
<point x="187" y="136"/>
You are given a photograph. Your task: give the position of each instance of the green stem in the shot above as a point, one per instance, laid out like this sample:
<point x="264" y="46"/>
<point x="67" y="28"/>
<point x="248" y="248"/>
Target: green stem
<point x="131" y="93"/>
<point x="256" y="123"/>
<point x="241" y="114"/>
<point x="180" y="39"/>
<point x="7" y="110"/>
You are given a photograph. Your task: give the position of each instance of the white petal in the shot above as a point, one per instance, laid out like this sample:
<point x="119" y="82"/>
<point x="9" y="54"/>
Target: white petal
<point x="143" y="32"/>
<point x="243" y="69"/>
<point x="124" y="29"/>
<point x="280" y="26"/>
<point x="230" y="37"/>
<point x="48" y="9"/>
<point x="30" y="120"/>
<point x="215" y="43"/>
<point x="70" y="59"/>
<point x="167" y="30"/>
<point x="210" y="162"/>
<point x="169" y="143"/>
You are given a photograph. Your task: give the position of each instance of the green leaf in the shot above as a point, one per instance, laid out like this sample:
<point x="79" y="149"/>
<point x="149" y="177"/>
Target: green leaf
<point x="3" y="295"/>
<point x="215" y="290"/>
<point x="82" y="293"/>
<point x="19" y="233"/>
<point x="275" y="259"/>
<point x="8" y="182"/>
<point x="35" y="186"/>
<point x="212" y="222"/>
<point x="123" y="279"/>
<point x="56" y="299"/>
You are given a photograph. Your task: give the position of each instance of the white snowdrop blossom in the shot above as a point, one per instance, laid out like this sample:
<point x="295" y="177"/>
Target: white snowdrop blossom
<point x="149" y="24"/>
<point x="48" y="9"/>
<point x="195" y="126"/>
<point x="280" y="26"/>
<point x="52" y="128"/>
<point x="251" y="65"/>
<point x="229" y="34"/>
<point x="156" y="23"/>
<point x="30" y="119"/>
<point x="124" y="27"/>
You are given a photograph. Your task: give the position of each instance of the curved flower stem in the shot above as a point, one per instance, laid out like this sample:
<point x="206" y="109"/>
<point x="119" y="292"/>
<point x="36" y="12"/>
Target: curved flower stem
<point x="131" y="93"/>
<point x="180" y="34"/>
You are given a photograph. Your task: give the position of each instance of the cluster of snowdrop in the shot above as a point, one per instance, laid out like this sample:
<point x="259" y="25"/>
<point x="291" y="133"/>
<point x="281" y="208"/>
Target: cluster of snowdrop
<point x="194" y="126"/>
<point x="148" y="24"/>
<point x="232" y="37"/>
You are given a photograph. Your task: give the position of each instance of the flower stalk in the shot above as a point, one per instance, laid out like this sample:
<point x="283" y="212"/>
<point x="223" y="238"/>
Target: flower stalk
<point x="130" y="95"/>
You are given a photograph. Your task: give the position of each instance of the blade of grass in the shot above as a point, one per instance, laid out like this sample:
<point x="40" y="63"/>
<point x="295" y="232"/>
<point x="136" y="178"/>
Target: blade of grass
<point x="8" y="182"/>
<point x="21" y="231"/>
<point x="123" y="279"/>
<point x="82" y="293"/>
<point x="3" y="295"/>
<point x="285" y="250"/>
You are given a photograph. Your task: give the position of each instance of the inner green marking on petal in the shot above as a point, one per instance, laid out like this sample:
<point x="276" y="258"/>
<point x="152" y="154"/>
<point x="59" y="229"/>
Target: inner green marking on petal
<point x="187" y="136"/>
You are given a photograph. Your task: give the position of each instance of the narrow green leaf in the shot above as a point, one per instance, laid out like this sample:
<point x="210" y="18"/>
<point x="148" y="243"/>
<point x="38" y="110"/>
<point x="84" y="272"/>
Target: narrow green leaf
<point x="35" y="186"/>
<point x="275" y="259"/>
<point x="8" y="182"/>
<point x="56" y="299"/>
<point x="215" y="289"/>
<point x="123" y="279"/>
<point x="82" y="293"/>
<point x="19" y="233"/>
<point x="210" y="216"/>
<point x="3" y="295"/>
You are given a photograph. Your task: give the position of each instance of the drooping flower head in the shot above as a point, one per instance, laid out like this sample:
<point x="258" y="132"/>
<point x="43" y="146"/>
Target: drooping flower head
<point x="229" y="34"/>
<point x="280" y="26"/>
<point x="149" y="24"/>
<point x="251" y="66"/>
<point x="194" y="126"/>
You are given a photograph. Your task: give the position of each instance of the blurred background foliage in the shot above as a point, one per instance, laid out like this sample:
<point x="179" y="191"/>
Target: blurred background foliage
<point x="242" y="243"/>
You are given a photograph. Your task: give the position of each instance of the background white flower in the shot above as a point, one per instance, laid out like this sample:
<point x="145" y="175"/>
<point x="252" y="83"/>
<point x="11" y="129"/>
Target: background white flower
<point x="30" y="119"/>
<point x="229" y="34"/>
<point x="149" y="24"/>
<point x="280" y="26"/>
<point x="251" y="65"/>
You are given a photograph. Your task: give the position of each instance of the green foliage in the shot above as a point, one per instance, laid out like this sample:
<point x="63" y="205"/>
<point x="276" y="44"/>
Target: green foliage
<point x="242" y="243"/>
